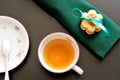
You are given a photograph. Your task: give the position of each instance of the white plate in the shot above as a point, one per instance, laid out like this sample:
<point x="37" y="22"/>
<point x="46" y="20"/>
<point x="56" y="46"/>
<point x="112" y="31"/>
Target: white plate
<point x="17" y="34"/>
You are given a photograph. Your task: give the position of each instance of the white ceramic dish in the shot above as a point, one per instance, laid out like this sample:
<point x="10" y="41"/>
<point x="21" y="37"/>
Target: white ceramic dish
<point x="18" y="36"/>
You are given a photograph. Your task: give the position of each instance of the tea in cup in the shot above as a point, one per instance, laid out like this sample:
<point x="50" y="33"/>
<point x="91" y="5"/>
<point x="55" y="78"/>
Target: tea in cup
<point x="58" y="52"/>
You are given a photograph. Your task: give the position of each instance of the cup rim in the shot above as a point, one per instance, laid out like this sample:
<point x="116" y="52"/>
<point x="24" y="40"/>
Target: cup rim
<point x="40" y="55"/>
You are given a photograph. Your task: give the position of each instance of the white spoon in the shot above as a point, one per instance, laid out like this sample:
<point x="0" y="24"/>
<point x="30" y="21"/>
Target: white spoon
<point x="6" y="49"/>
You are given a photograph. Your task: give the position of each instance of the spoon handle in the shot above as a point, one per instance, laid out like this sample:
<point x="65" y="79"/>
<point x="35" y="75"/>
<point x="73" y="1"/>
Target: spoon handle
<point x="6" y="69"/>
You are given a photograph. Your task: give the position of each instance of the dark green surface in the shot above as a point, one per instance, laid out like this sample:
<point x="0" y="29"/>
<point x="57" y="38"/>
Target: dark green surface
<point x="61" y="10"/>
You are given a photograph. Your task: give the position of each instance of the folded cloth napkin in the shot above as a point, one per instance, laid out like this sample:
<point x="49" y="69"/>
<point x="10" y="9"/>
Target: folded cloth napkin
<point x="98" y="43"/>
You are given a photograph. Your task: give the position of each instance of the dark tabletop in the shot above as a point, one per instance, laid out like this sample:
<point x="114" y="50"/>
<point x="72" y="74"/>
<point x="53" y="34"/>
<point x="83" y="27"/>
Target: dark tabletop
<point x="39" y="24"/>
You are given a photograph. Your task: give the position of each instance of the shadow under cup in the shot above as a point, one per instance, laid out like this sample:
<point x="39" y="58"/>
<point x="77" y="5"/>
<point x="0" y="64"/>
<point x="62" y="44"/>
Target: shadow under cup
<point x="61" y="50"/>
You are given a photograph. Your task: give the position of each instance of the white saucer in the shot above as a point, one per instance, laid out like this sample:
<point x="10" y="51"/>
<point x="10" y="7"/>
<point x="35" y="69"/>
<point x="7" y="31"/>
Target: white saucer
<point x="17" y="34"/>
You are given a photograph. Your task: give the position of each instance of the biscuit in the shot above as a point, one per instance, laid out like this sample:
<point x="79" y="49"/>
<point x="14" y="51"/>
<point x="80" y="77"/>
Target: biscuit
<point x="88" y="25"/>
<point x="84" y="25"/>
<point x="90" y="29"/>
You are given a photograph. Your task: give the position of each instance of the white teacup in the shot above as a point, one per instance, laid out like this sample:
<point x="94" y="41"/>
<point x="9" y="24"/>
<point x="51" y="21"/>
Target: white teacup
<point x="71" y="41"/>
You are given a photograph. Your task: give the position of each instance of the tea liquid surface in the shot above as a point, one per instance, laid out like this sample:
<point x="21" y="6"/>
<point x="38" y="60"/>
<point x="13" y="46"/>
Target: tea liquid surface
<point x="58" y="53"/>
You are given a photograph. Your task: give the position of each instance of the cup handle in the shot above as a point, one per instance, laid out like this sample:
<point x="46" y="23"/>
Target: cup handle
<point x="78" y="69"/>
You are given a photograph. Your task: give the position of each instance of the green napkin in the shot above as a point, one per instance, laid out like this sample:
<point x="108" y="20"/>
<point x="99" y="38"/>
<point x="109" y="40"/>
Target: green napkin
<point x="98" y="43"/>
